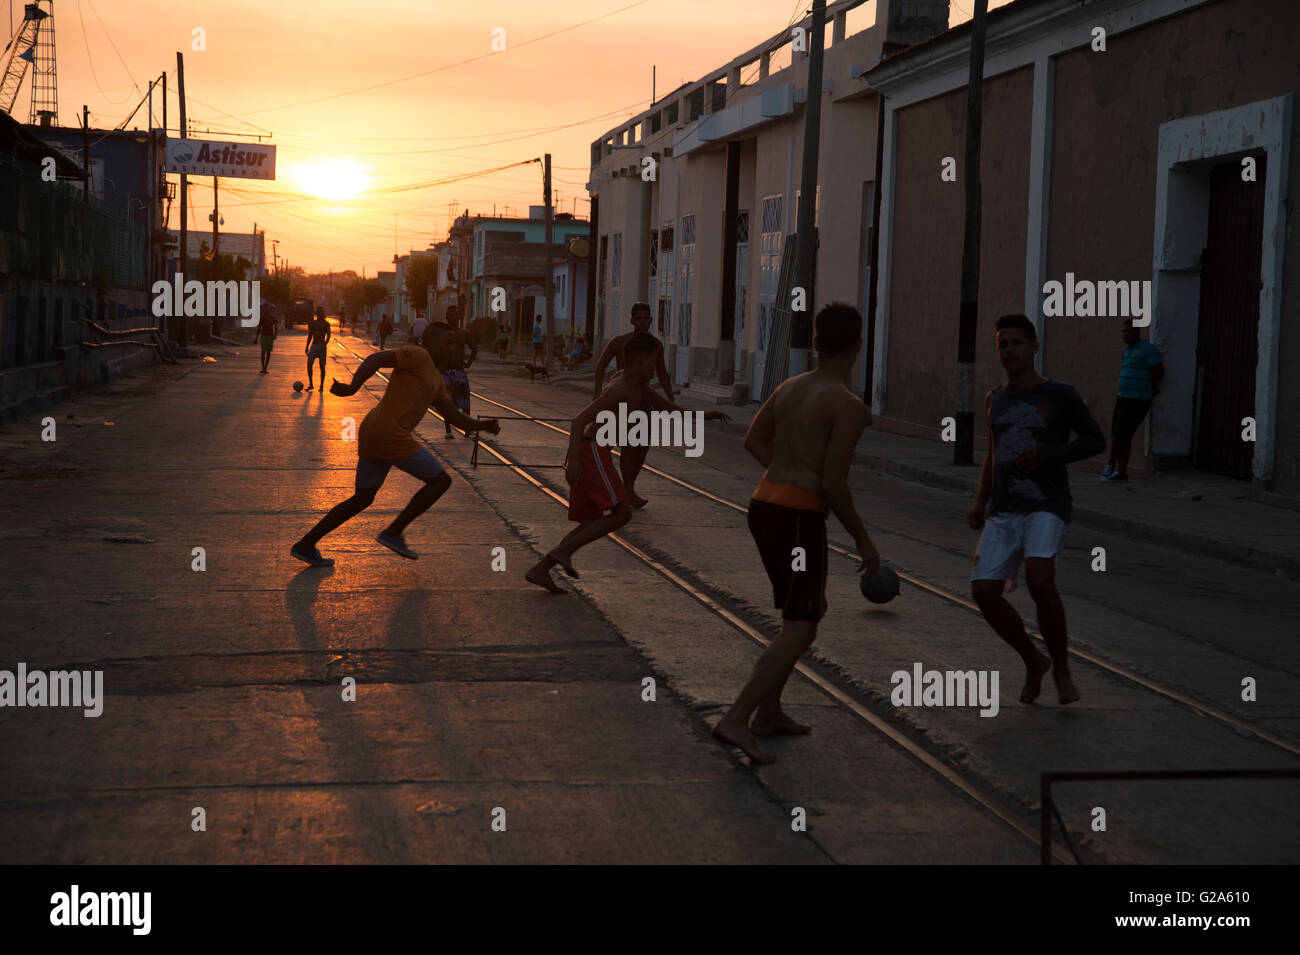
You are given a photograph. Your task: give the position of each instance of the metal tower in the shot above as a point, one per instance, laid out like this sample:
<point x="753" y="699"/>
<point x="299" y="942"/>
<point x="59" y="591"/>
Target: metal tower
<point x="32" y="46"/>
<point x="45" y="88"/>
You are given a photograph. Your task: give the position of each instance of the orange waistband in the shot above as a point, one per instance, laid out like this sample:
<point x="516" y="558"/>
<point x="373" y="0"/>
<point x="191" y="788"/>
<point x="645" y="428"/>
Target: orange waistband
<point x="787" y="495"/>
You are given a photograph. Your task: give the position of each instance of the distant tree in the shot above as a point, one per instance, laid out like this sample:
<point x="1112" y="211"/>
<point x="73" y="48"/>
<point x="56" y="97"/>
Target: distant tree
<point x="420" y="274"/>
<point x="274" y="288"/>
<point x="354" y="296"/>
<point x="373" y="294"/>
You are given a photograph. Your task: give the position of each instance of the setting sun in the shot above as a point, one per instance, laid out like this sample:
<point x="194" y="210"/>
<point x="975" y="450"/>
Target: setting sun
<point x="332" y="178"/>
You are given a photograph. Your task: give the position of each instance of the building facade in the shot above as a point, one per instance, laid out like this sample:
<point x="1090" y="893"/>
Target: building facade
<point x="1139" y="146"/>
<point x="694" y="201"/>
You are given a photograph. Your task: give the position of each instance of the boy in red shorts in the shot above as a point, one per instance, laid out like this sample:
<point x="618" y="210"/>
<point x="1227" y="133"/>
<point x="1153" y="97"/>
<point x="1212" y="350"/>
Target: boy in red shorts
<point x="597" y="499"/>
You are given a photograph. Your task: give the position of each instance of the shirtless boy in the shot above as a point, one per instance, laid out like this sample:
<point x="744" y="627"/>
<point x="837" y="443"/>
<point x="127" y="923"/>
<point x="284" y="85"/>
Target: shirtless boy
<point x="633" y="459"/>
<point x="804" y="435"/>
<point x="597" y="500"/>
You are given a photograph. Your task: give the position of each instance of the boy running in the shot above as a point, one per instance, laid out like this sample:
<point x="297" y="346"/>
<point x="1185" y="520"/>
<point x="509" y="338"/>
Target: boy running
<point x="266" y="334"/>
<point x="386" y="440"/>
<point x="597" y="500"/>
<point x="804" y="435"/>
<point x="632" y="460"/>
<point x="1025" y="489"/>
<point x="318" y="336"/>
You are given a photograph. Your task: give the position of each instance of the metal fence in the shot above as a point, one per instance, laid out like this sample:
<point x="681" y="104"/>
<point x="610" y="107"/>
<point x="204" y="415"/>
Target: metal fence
<point x="48" y="231"/>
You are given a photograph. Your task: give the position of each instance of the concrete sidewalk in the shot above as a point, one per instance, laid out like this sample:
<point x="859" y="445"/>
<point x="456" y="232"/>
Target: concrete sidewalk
<point x="224" y="684"/>
<point x="1196" y="512"/>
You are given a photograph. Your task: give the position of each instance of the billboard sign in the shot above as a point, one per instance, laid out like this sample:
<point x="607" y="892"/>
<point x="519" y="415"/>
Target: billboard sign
<point x="203" y="157"/>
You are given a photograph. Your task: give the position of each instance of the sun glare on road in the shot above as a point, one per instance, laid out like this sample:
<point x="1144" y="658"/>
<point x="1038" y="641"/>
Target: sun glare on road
<point x="331" y="178"/>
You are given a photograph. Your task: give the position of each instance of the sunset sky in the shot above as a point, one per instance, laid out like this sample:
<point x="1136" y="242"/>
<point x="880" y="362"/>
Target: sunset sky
<point x="266" y="63"/>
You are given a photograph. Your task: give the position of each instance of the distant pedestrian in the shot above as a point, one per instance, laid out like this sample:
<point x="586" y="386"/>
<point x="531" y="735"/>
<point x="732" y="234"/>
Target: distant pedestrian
<point x="266" y="334"/>
<point x="1140" y="372"/>
<point x="575" y="352"/>
<point x="385" y="439"/>
<point x="503" y="338"/>
<point x="417" y="329"/>
<point x="539" y="343"/>
<point x="1025" y="489"/>
<point x="354" y="326"/>
<point x="318" y="336"/>
<point x="385" y="329"/>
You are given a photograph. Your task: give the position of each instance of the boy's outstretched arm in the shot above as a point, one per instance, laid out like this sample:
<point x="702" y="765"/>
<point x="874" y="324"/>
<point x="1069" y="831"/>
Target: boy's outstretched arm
<point x="380" y="359"/>
<point x="667" y="404"/>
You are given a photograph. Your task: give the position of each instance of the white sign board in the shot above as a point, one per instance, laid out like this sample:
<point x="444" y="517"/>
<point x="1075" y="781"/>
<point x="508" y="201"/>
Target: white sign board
<point x="203" y="157"/>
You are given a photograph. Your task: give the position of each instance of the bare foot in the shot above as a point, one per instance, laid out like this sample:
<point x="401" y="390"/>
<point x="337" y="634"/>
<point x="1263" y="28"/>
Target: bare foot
<point x="777" y="724"/>
<point x="1069" y="693"/>
<point x="541" y="576"/>
<point x="565" y="561"/>
<point x="741" y="736"/>
<point x="637" y="500"/>
<point x="1034" y="679"/>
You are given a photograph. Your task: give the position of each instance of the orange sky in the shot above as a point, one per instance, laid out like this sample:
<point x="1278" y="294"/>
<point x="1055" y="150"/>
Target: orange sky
<point x="263" y="55"/>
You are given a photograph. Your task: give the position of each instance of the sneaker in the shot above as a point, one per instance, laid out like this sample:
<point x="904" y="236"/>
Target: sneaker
<point x="309" y="387"/>
<point x="312" y="556"/>
<point x="1114" y="478"/>
<point x="397" y="545"/>
<point x="1107" y="471"/>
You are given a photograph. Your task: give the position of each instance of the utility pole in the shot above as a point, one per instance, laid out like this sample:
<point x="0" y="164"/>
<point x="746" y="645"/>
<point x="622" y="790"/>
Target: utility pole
<point x="550" y="225"/>
<point x="213" y="319"/>
<point x="185" y="181"/>
<point x="215" y="237"/>
<point x="153" y="191"/>
<point x="963" y="451"/>
<point x="85" y="152"/>
<point x="805" y="251"/>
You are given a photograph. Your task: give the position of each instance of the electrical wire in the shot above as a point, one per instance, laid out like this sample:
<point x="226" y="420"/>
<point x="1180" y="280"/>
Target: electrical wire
<point x="85" y="39"/>
<point x="111" y="42"/>
<point x="448" y="66"/>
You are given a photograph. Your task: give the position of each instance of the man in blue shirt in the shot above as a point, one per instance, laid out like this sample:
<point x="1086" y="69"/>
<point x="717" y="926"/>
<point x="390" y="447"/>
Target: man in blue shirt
<point x="1139" y="381"/>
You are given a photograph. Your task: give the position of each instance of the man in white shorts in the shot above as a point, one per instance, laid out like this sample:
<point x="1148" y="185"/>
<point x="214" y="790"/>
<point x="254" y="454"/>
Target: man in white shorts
<point x="1023" y="501"/>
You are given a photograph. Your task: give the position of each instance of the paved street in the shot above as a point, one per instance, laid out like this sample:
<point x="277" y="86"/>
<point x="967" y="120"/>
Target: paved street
<point x="476" y="691"/>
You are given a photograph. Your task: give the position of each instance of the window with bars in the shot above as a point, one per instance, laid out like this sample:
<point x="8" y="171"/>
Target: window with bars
<point x="686" y="281"/>
<point x="770" y="244"/>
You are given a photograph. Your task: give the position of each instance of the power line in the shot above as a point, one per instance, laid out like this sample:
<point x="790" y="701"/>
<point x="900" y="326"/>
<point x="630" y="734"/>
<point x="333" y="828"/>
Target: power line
<point x="85" y="39"/>
<point x="111" y="41"/>
<point x="440" y="69"/>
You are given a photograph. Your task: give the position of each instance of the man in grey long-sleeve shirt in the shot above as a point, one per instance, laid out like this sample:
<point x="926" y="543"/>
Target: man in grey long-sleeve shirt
<point x="1023" y="502"/>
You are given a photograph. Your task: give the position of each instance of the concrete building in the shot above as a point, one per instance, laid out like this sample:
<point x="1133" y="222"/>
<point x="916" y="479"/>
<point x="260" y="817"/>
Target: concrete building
<point x="65" y="260"/>
<point x="1158" y="151"/>
<point x="250" y="245"/>
<point x="694" y="199"/>
<point x="487" y="253"/>
<point x="569" y="287"/>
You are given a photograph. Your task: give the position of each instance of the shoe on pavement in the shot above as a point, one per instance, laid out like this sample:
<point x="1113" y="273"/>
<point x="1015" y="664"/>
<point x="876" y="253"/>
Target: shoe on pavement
<point x="312" y="556"/>
<point x="1107" y="471"/>
<point x="310" y="387"/>
<point x="397" y="545"/>
<point x="1115" y="478"/>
